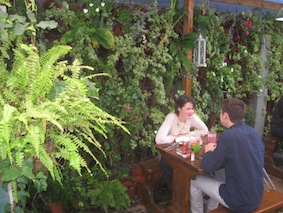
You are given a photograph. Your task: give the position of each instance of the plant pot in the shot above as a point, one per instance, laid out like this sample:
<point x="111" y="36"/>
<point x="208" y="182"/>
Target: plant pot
<point x="57" y="207"/>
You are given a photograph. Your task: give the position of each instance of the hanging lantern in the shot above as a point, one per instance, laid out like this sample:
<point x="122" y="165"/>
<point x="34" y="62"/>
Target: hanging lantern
<point x="279" y="16"/>
<point x="200" y="52"/>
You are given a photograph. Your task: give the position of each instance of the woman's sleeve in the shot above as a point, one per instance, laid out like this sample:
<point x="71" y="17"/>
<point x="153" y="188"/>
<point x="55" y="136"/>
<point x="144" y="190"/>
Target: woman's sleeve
<point x="199" y="125"/>
<point x="162" y="135"/>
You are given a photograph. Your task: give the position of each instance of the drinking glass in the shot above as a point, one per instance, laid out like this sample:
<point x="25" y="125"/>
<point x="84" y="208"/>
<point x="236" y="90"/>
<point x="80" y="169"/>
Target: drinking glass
<point x="211" y="137"/>
<point x="195" y="146"/>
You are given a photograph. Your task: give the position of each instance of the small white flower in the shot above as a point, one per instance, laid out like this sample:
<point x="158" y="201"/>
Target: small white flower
<point x="213" y="73"/>
<point x="102" y="4"/>
<point x="85" y="10"/>
<point x="155" y="132"/>
<point x="97" y="10"/>
<point x="91" y="4"/>
<point x="232" y="69"/>
<point x="222" y="80"/>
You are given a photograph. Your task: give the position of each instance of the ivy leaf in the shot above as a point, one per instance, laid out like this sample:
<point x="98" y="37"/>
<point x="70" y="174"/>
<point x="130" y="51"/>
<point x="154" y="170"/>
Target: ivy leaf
<point x="27" y="172"/>
<point x="47" y="24"/>
<point x="3" y="15"/>
<point x="31" y="16"/>
<point x="185" y="62"/>
<point x="18" y="18"/>
<point x="20" y="28"/>
<point x="10" y="174"/>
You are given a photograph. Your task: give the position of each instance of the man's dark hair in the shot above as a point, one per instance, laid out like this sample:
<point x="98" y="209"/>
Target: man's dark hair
<point x="182" y="100"/>
<point x="235" y="108"/>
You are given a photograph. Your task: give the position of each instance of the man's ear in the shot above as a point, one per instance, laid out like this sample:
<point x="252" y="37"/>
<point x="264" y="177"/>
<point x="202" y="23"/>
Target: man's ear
<point x="226" y="116"/>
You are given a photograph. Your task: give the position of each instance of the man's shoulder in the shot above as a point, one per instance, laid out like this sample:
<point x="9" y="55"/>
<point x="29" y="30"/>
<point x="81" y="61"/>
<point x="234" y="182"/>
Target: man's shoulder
<point x="239" y="129"/>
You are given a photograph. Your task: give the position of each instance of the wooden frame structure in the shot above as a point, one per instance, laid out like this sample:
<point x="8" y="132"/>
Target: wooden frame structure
<point x="188" y="26"/>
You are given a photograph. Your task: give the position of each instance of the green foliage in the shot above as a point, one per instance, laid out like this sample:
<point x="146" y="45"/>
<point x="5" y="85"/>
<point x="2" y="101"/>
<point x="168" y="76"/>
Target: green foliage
<point x="250" y="116"/>
<point x="140" y="64"/>
<point x="55" y="191"/>
<point x="18" y="177"/>
<point x="110" y="194"/>
<point x="142" y="74"/>
<point x="5" y="2"/>
<point x="234" y="63"/>
<point x="92" y="192"/>
<point x="24" y="24"/>
<point x="84" y="27"/>
<point x="30" y="122"/>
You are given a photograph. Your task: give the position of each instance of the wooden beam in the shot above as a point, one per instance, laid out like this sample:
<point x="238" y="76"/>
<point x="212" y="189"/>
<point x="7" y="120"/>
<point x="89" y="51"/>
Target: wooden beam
<point x="188" y="27"/>
<point x="254" y="3"/>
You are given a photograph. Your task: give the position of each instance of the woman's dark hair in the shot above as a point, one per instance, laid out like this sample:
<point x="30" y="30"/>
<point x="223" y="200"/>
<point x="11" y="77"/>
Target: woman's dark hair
<point x="235" y="108"/>
<point x="182" y="100"/>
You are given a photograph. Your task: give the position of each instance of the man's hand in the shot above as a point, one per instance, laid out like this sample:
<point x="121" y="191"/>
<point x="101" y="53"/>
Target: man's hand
<point x="210" y="147"/>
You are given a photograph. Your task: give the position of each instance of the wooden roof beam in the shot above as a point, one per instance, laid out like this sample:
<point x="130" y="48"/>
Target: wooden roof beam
<point x="254" y="3"/>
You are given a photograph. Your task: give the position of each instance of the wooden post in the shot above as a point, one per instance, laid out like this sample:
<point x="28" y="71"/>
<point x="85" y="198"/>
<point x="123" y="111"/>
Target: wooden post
<point x="188" y="27"/>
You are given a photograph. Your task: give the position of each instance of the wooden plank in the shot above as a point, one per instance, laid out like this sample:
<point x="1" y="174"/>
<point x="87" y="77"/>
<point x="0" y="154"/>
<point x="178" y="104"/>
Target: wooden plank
<point x="272" y="200"/>
<point x="254" y="3"/>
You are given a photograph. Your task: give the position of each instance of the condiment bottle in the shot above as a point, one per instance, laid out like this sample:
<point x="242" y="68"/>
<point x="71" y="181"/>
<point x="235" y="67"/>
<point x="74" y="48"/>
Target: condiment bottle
<point x="192" y="156"/>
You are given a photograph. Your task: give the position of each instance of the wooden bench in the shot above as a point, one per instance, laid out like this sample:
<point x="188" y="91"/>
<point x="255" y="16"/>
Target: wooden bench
<point x="270" y="143"/>
<point x="153" y="173"/>
<point x="272" y="201"/>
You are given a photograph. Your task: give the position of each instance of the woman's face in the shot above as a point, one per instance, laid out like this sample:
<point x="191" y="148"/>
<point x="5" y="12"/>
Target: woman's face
<point x="186" y="111"/>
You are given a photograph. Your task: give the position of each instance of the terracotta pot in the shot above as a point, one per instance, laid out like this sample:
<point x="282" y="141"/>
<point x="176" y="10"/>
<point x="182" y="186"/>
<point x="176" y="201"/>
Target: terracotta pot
<point x="56" y="207"/>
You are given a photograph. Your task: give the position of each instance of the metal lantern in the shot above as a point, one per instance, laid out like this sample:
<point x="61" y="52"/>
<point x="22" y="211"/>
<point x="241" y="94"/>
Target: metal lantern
<point x="200" y="52"/>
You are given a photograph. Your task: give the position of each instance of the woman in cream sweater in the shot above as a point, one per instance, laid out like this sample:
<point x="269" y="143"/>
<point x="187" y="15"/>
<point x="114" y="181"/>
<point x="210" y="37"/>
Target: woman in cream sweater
<point x="182" y="122"/>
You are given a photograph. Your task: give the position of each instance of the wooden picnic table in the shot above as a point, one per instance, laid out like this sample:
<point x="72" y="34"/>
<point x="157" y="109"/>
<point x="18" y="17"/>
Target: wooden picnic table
<point x="183" y="171"/>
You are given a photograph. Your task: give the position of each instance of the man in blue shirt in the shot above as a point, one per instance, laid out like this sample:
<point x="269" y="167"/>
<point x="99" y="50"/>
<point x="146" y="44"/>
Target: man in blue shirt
<point x="234" y="164"/>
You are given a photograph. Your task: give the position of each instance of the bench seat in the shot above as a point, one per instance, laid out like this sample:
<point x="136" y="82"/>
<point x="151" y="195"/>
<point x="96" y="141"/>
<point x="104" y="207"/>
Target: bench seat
<point x="272" y="201"/>
<point x="270" y="143"/>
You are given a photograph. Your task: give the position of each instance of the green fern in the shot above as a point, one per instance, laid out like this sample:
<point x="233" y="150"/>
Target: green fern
<point x="31" y="122"/>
